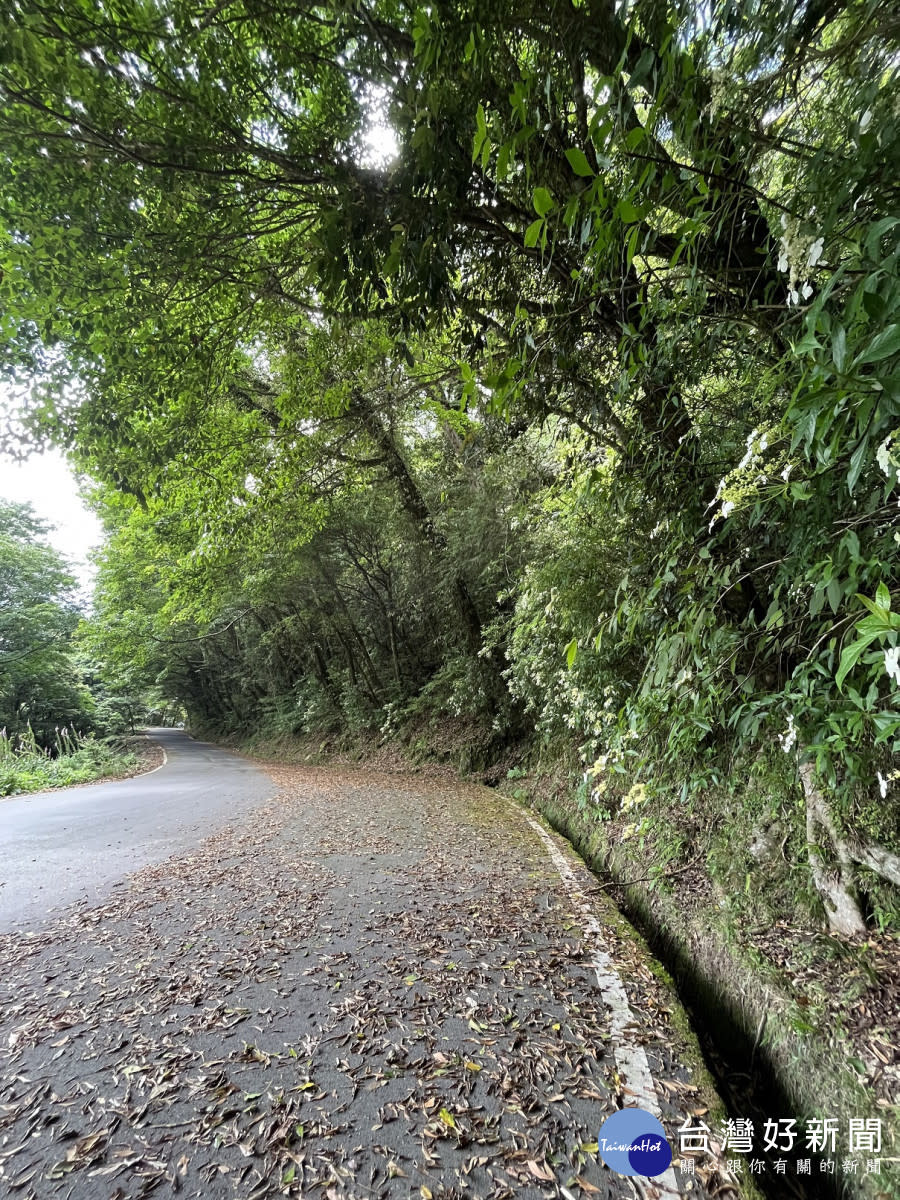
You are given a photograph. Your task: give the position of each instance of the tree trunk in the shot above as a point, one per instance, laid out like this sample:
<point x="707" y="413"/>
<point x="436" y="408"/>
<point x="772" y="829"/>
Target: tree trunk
<point x="320" y="667"/>
<point x="414" y="503"/>
<point x="877" y="859"/>
<point x="395" y="660"/>
<point x="833" y="883"/>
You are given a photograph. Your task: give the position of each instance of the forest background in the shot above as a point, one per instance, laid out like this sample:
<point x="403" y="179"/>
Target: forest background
<point x="563" y="434"/>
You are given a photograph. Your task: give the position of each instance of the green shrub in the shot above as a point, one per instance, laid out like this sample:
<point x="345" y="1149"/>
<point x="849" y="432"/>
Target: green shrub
<point x="74" y="758"/>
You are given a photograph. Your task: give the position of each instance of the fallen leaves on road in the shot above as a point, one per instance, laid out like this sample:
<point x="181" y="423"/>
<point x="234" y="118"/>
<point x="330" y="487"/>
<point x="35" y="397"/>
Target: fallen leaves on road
<point x="369" y="988"/>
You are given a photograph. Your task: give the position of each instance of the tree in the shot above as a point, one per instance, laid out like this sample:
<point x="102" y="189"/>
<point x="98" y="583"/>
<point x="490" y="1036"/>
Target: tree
<point x="315" y="560"/>
<point x="40" y="685"/>
<point x="664" y="235"/>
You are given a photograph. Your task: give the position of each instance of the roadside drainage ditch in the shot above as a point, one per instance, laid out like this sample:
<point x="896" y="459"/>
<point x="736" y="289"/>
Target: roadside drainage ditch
<point x="737" y="1061"/>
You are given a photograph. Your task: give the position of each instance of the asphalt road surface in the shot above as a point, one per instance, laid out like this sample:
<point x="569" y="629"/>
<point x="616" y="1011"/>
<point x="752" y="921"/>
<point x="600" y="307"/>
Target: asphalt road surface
<point x="75" y="844"/>
<point x="366" y="987"/>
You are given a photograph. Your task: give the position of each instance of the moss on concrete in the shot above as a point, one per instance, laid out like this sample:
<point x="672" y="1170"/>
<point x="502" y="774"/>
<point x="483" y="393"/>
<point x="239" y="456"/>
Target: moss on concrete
<point x="743" y="1002"/>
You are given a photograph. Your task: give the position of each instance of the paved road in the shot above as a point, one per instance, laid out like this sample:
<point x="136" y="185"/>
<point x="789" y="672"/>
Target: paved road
<point x="76" y="844"/>
<point x="367" y="988"/>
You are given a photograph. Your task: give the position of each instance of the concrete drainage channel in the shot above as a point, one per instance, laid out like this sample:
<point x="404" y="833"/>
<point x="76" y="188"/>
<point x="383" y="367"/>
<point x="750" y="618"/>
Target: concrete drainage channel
<point x="744" y="1078"/>
<point x="629" y="1053"/>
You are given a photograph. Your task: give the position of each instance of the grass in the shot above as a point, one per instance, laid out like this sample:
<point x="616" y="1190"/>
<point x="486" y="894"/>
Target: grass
<point x="74" y="758"/>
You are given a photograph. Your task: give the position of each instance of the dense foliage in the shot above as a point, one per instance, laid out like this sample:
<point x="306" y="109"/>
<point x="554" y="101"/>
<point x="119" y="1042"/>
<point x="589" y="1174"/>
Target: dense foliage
<point x="41" y="688"/>
<point x="577" y="407"/>
<point x="53" y="702"/>
<point x="72" y="758"/>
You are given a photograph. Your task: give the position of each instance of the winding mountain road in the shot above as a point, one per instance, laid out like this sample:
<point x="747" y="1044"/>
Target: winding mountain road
<point x="75" y="844"/>
<point x="321" y="982"/>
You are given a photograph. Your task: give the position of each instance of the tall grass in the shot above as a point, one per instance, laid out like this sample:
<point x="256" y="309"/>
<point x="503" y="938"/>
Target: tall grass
<point x="74" y="757"/>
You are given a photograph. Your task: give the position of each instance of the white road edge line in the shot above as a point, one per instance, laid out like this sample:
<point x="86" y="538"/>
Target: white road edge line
<point x="631" y="1058"/>
<point x="152" y="770"/>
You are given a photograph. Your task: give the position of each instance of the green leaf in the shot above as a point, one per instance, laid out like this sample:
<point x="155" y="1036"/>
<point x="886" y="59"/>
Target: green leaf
<point x="642" y="67"/>
<point x="571" y="653"/>
<point x="886" y="725"/>
<point x="857" y="462"/>
<point x="578" y="162"/>
<point x="877" y="232"/>
<point x="877" y="610"/>
<point x="480" y="132"/>
<point x="543" y="201"/>
<point x="631" y="248"/>
<point x="807" y="343"/>
<point x="835" y="593"/>
<point x="628" y="213"/>
<point x="533" y="232"/>
<point x="851" y="656"/>
<point x="503" y="162"/>
<point x="882" y="346"/>
<point x="839" y="347"/>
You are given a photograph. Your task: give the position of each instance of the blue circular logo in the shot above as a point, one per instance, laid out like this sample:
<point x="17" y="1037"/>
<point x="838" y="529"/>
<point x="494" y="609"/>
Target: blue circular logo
<point x="633" y="1142"/>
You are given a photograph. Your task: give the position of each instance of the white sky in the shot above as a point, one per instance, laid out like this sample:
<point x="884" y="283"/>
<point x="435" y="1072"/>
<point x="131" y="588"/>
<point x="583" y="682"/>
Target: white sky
<point x="47" y="483"/>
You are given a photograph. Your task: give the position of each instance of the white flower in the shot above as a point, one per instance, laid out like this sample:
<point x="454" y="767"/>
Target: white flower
<point x="815" y="252"/>
<point x="789" y="737"/>
<point x="782" y="262"/>
<point x="892" y="663"/>
<point x="727" y="508"/>
<point x="882" y="784"/>
<point x="715" y="498"/>
<point x="749" y="454"/>
<point x="886" y="460"/>
<point x="787" y="470"/>
<point x="883" y="456"/>
<point x="806" y="291"/>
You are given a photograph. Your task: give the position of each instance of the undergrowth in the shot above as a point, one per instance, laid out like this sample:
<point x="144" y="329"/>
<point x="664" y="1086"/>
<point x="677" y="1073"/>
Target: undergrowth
<point x="73" y="758"/>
